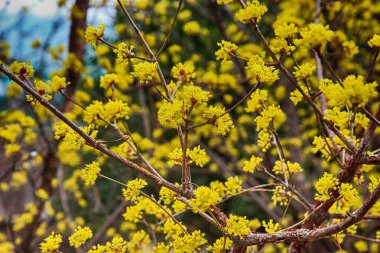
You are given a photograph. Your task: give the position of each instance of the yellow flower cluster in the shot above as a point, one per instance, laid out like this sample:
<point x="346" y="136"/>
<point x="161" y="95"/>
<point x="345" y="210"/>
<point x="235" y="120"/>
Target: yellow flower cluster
<point x="22" y="69"/>
<point x="253" y="11"/>
<point x="374" y="182"/>
<point x="116" y="245"/>
<point x="170" y="114"/>
<point x="280" y="196"/>
<point x="271" y="227"/>
<point x="57" y="83"/>
<point x="221" y="245"/>
<point x="124" y="53"/>
<point x="304" y="71"/>
<point x="286" y="30"/>
<point x="223" y="123"/>
<point x="251" y="165"/>
<point x="172" y="228"/>
<point x="267" y="116"/>
<point x="138" y="242"/>
<point x="144" y="207"/>
<point x="51" y="243"/>
<point x="226" y="50"/>
<point x="256" y="100"/>
<point x="146" y="72"/>
<point x="196" y="155"/>
<point x="258" y="71"/>
<point x="289" y="168"/>
<point x="25" y="218"/>
<point x="237" y="226"/>
<point x="320" y="145"/>
<point x="281" y="46"/>
<point x="204" y="198"/>
<point x="70" y="137"/>
<point x="233" y="185"/>
<point x="90" y="173"/>
<point x="349" y="195"/>
<point x="93" y="34"/>
<point x="353" y="92"/>
<point x="374" y="42"/>
<point x="315" y="36"/>
<point x="193" y="28"/>
<point x="133" y="189"/>
<point x="188" y="242"/>
<point x="325" y="185"/>
<point x="98" y="114"/>
<point x="80" y="236"/>
<point x="183" y="72"/>
<point x="108" y="81"/>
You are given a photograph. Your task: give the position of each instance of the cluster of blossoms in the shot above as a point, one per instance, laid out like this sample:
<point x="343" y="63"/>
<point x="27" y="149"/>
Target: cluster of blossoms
<point x="253" y="11"/>
<point x="133" y="189"/>
<point x="93" y="34"/>
<point x="195" y="103"/>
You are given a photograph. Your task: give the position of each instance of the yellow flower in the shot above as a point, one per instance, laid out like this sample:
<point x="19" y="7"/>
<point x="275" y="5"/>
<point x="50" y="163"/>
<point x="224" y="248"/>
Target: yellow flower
<point x="321" y="145"/>
<point x="258" y="71"/>
<point x="146" y="72"/>
<point x="374" y="42"/>
<point x="271" y="227"/>
<point x="138" y="242"/>
<point x="350" y="48"/>
<point x="279" y="196"/>
<point x="254" y="10"/>
<point x="97" y="249"/>
<point x="109" y="80"/>
<point x="375" y="181"/>
<point x="353" y="91"/>
<point x="11" y="149"/>
<point x="256" y="100"/>
<point x="281" y="46"/>
<point x="226" y="50"/>
<point x="204" y="197"/>
<point x="51" y="243"/>
<point x="80" y="236"/>
<point x="324" y="186"/>
<point x="348" y="193"/>
<point x="304" y="71"/>
<point x="251" y="165"/>
<point x="115" y="109"/>
<point x="315" y="36"/>
<point x="198" y="156"/>
<point x="42" y="194"/>
<point x="133" y="189"/>
<point x="267" y="116"/>
<point x="93" y="34"/>
<point x="223" y="124"/>
<point x="90" y="173"/>
<point x="221" y="245"/>
<point x="286" y="30"/>
<point x="189" y="242"/>
<point x="123" y="53"/>
<point x="171" y="228"/>
<point x="280" y="168"/>
<point x="192" y="28"/>
<point x="58" y="83"/>
<point x="237" y="226"/>
<point x="117" y="245"/>
<point x="22" y="69"/>
<point x="183" y="72"/>
<point x="233" y="185"/>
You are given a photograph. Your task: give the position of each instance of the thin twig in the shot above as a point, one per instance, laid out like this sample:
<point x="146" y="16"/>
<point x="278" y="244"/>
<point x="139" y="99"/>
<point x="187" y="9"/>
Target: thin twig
<point x="171" y="29"/>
